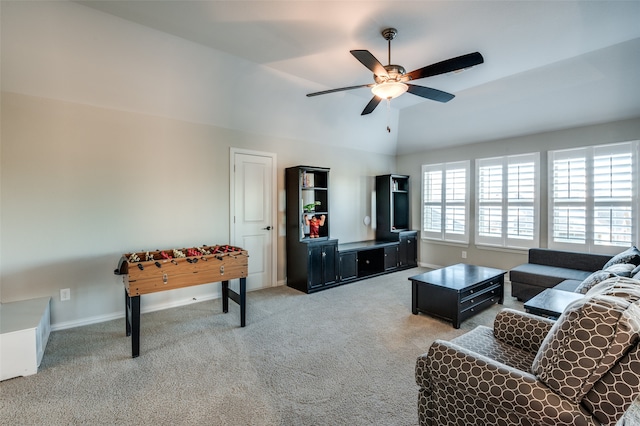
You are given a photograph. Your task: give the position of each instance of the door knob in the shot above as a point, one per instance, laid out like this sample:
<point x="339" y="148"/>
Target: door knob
<point x="268" y="228"/>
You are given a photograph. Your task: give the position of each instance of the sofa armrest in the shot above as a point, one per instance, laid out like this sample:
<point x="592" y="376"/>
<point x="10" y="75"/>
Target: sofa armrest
<point x="483" y="379"/>
<point x="521" y="329"/>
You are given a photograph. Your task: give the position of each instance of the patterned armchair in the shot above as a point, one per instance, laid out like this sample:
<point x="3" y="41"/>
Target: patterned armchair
<point x="583" y="369"/>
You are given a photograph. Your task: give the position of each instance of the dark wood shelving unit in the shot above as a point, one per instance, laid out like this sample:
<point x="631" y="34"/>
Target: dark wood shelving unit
<point x="319" y="263"/>
<point x="312" y="263"/>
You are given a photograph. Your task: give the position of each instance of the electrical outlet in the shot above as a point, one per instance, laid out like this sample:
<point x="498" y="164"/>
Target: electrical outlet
<point x="65" y="294"/>
<point x="464" y="254"/>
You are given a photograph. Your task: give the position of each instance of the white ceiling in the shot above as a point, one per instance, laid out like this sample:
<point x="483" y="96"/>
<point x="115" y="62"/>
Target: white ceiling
<point x="548" y="64"/>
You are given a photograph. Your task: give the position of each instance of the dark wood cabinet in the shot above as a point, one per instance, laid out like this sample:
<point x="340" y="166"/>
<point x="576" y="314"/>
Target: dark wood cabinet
<point x="315" y="261"/>
<point x="408" y="249"/>
<point x="391" y="257"/>
<point x="312" y="257"/>
<point x="392" y="206"/>
<point x="321" y="266"/>
<point x="393" y="221"/>
<point x="348" y="265"/>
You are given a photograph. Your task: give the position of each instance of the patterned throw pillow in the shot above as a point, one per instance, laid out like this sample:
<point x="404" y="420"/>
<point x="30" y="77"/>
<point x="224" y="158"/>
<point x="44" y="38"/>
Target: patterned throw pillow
<point x="592" y="280"/>
<point x="630" y="255"/>
<point x="587" y="341"/>
<point x="621" y="269"/>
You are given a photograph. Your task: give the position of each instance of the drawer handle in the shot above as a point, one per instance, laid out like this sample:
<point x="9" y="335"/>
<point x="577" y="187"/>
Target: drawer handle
<point x="472" y="300"/>
<point x="471" y="291"/>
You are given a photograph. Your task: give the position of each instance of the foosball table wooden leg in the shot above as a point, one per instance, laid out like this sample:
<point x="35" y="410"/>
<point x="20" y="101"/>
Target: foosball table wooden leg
<point x="225" y="296"/>
<point x="243" y="300"/>
<point x="240" y="298"/>
<point x="132" y="320"/>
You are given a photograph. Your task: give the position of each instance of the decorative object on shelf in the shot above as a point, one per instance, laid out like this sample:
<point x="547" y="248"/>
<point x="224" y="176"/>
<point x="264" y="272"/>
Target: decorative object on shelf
<point x="314" y="225"/>
<point x="308" y="208"/>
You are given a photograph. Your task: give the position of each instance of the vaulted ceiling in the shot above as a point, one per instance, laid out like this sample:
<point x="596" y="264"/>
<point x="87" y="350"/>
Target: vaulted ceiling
<point x="548" y="64"/>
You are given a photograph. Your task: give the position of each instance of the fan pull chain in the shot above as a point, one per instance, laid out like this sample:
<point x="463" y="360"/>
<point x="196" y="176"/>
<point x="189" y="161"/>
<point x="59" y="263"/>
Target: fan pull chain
<point x="388" y="115"/>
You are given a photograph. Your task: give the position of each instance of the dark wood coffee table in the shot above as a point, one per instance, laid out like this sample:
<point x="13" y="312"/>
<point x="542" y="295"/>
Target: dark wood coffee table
<point x="456" y="292"/>
<point x="551" y="302"/>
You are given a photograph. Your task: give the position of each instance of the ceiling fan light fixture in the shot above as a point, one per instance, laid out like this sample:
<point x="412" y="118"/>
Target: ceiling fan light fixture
<point x="389" y="89"/>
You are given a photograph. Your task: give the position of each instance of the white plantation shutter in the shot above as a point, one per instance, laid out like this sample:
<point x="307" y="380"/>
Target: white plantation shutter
<point x="593" y="201"/>
<point x="445" y="200"/>
<point x="507" y="209"/>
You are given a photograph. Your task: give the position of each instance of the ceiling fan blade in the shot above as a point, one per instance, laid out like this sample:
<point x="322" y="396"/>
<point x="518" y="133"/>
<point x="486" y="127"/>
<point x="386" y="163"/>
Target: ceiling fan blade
<point x="453" y="64"/>
<point x="324" y="92"/>
<point x="429" y="93"/>
<point x="370" y="61"/>
<point x="373" y="103"/>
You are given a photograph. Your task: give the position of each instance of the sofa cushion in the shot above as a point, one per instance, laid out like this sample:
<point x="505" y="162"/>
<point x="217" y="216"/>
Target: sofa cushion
<point x="621" y="269"/>
<point x="593" y="279"/>
<point x="588" y="339"/>
<point x="482" y="341"/>
<point x="568" y="285"/>
<point x="544" y="275"/>
<point x="630" y="255"/>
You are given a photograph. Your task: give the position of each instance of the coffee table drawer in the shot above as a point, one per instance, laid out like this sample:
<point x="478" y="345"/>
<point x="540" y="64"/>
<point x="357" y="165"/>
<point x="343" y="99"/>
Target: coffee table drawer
<point x="481" y="287"/>
<point x="480" y="296"/>
<point x="474" y="309"/>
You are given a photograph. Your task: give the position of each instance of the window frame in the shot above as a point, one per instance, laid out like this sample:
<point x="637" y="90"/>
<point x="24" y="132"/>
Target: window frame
<point x="445" y="234"/>
<point x="504" y="203"/>
<point x="591" y="204"/>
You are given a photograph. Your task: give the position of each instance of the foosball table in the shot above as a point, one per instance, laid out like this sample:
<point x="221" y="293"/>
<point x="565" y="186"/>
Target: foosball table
<point x="160" y="270"/>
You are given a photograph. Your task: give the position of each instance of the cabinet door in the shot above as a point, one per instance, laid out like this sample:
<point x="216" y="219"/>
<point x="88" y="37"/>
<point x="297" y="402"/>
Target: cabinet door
<point x="408" y="250"/>
<point x="348" y="266"/>
<point x="314" y="272"/>
<point x="329" y="260"/>
<point x="390" y="257"/>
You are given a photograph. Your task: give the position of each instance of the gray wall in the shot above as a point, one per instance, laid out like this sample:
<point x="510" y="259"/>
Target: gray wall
<point x="439" y="254"/>
<point x="116" y="137"/>
<point x="82" y="185"/>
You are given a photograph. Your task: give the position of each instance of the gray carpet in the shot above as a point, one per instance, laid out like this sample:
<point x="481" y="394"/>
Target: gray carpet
<point x="344" y="356"/>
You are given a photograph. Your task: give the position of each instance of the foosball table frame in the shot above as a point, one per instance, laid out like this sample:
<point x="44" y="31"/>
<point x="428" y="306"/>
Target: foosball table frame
<point x="161" y="270"/>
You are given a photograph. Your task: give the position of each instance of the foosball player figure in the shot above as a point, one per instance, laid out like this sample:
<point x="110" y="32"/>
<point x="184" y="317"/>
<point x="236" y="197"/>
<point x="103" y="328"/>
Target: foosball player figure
<point x="314" y="225"/>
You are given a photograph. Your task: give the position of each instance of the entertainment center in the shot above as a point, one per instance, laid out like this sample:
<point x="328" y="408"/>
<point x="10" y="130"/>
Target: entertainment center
<point x="315" y="261"/>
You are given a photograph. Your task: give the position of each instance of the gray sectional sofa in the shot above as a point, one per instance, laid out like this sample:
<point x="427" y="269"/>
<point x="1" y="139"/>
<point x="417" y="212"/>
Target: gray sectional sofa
<point x="548" y="268"/>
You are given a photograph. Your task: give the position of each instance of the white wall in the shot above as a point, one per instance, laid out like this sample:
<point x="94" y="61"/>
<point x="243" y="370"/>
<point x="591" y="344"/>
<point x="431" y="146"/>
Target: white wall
<point x="445" y="254"/>
<point x="116" y="138"/>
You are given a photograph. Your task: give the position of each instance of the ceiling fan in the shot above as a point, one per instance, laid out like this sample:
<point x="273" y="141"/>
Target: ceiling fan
<point x="391" y="80"/>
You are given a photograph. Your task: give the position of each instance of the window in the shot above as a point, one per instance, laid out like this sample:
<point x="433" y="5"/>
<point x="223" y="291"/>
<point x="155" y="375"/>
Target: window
<point x="592" y="197"/>
<point x="445" y="200"/>
<point x="507" y="207"/>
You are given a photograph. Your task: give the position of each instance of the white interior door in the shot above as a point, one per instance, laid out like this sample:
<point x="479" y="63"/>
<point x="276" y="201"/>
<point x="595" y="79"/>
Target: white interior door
<point x="253" y="189"/>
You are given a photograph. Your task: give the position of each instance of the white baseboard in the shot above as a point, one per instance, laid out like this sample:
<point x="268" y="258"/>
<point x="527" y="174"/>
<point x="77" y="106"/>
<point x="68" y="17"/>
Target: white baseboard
<point x="151" y="308"/>
<point x="117" y="315"/>
<point x="430" y="265"/>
